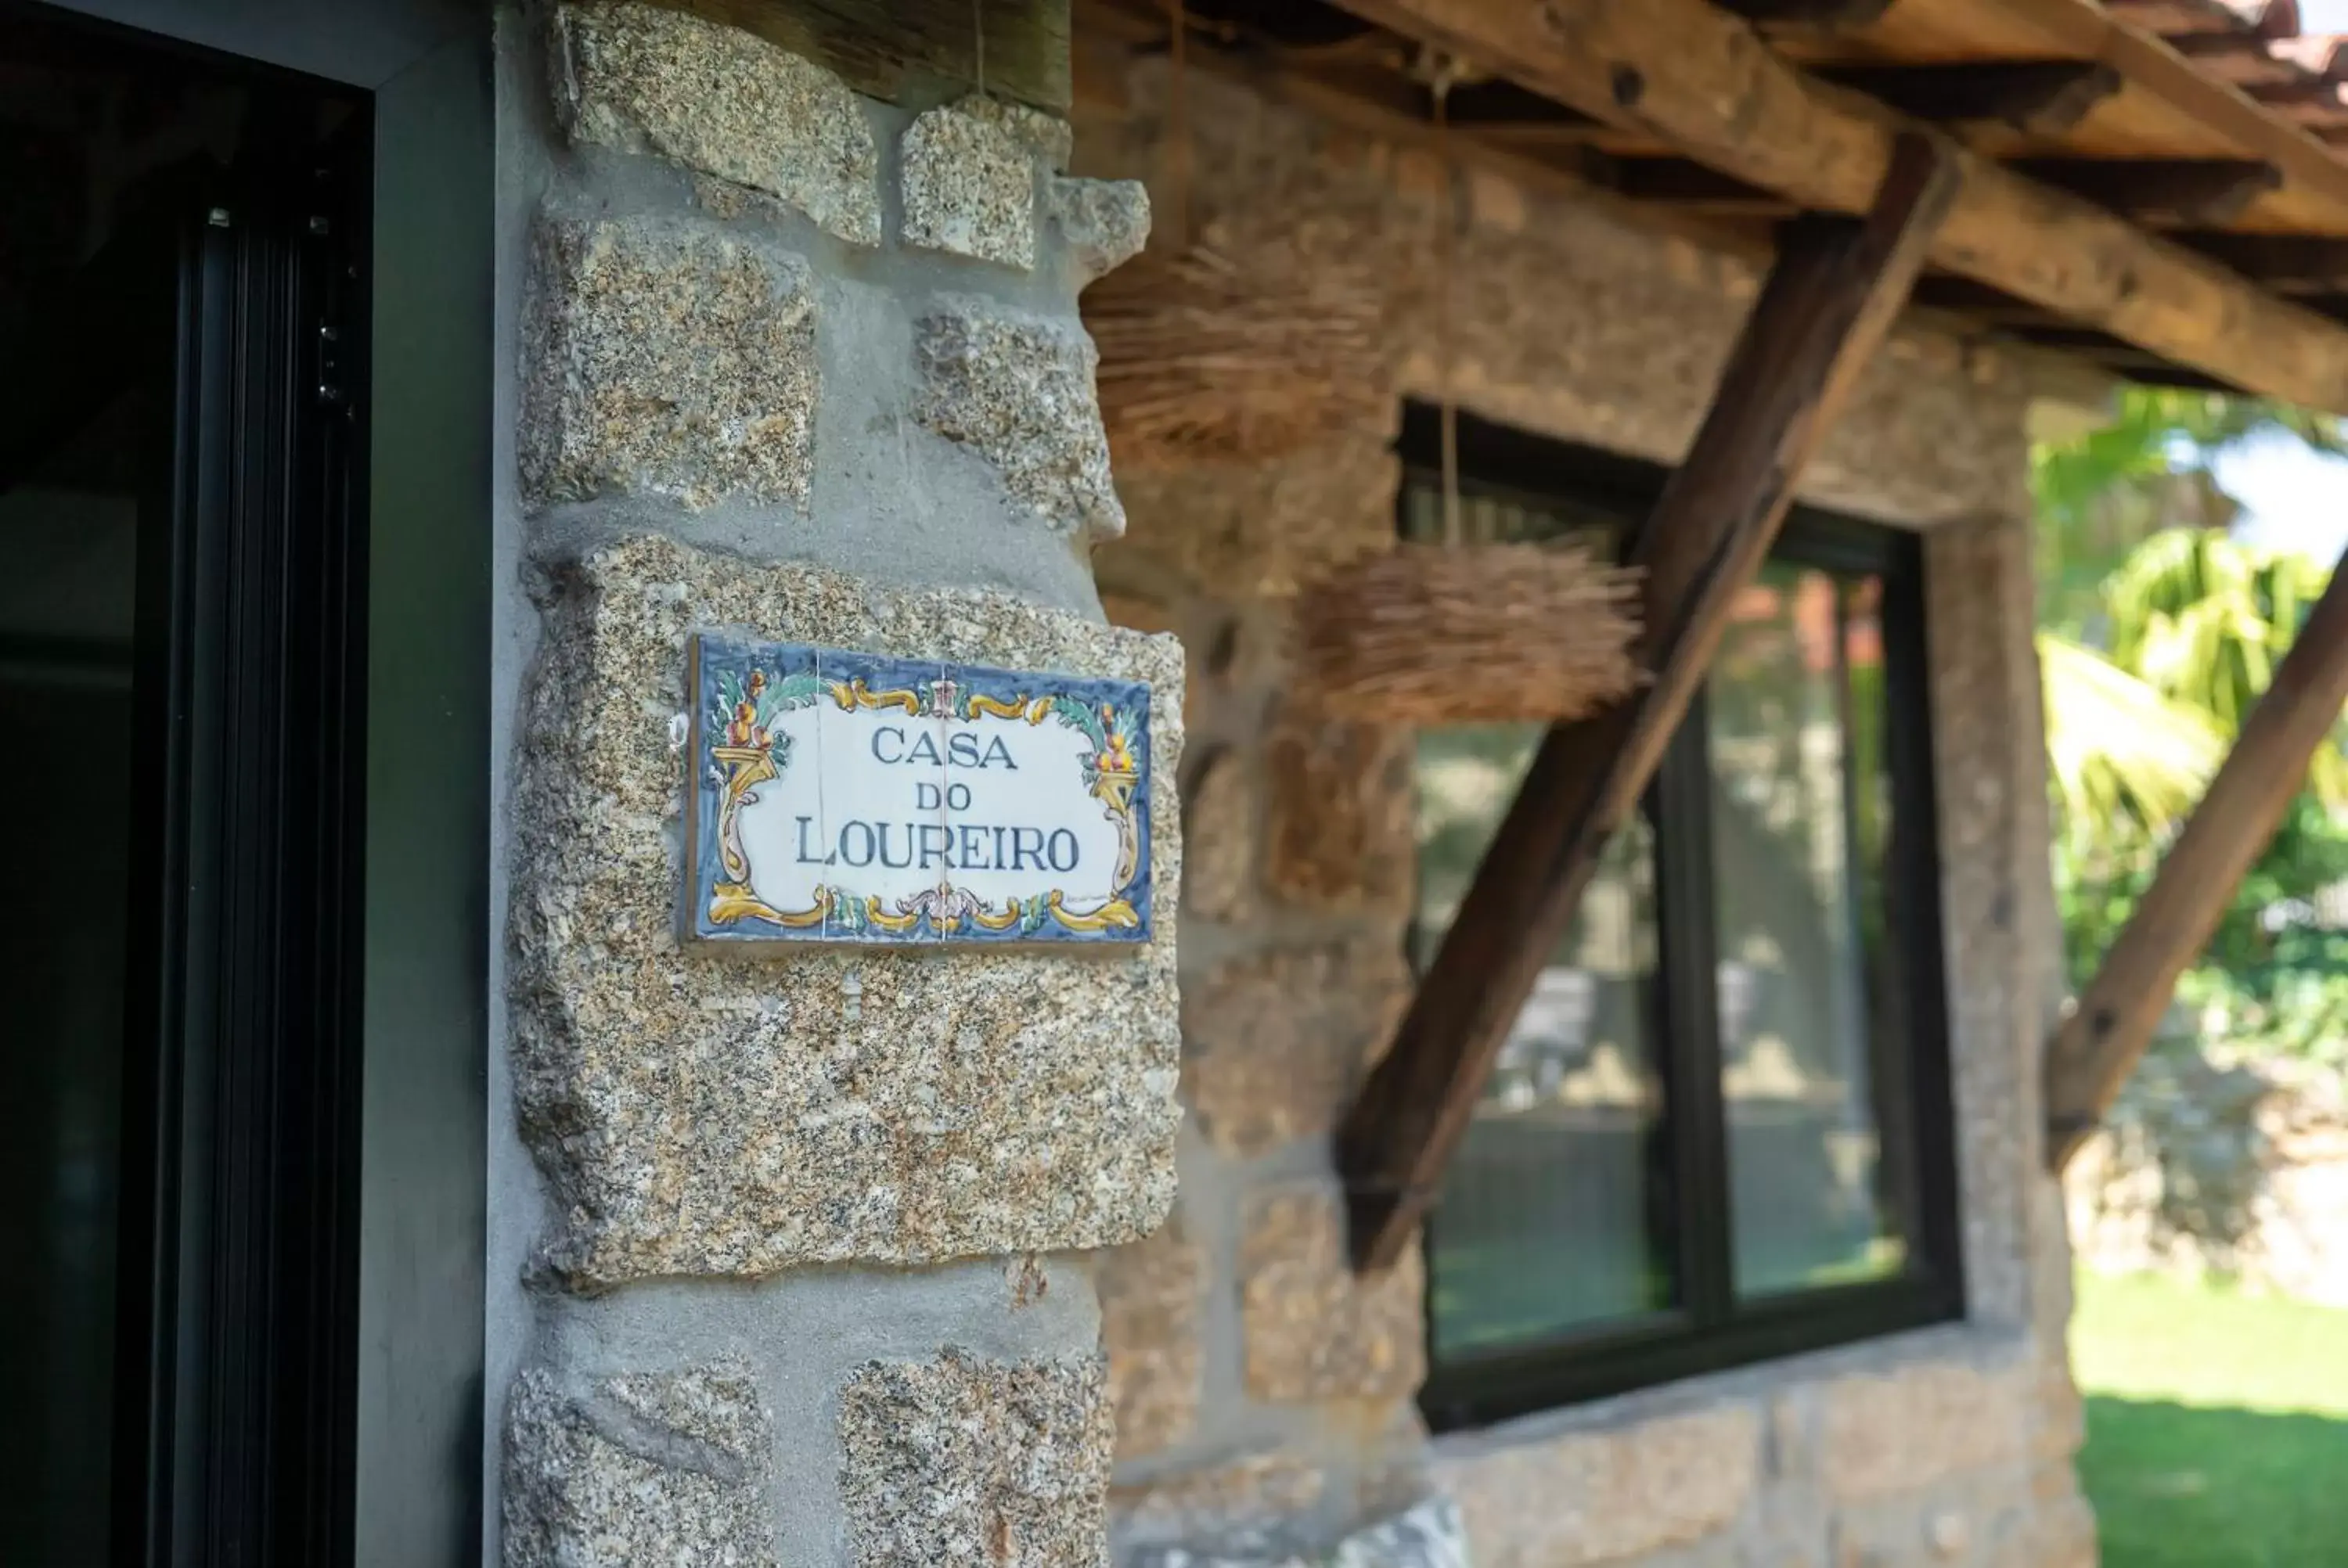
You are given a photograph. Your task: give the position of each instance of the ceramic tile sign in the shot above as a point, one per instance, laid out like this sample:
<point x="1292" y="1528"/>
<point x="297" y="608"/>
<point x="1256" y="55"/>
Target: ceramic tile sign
<point x="846" y="797"/>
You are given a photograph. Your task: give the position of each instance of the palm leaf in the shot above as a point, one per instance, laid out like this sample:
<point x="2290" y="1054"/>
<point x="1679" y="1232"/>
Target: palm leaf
<point x="2128" y="762"/>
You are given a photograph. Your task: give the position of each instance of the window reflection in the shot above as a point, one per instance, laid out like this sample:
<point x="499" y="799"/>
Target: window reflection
<point x="1800" y="808"/>
<point x="1544" y="1229"/>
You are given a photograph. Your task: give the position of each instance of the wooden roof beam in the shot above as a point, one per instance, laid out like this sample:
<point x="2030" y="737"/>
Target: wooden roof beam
<point x="1831" y="296"/>
<point x="2037" y="97"/>
<point x="2161" y="192"/>
<point x="1694" y="77"/>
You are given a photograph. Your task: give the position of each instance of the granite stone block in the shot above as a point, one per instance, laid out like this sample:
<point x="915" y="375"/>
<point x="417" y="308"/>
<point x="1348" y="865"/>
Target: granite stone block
<point x="1248" y="1498"/>
<point x="1606" y="1495"/>
<point x="1338" y="829"/>
<point x="1314" y="1329"/>
<point x="1152" y="1305"/>
<point x="729" y="1113"/>
<point x="1220" y="827"/>
<point x="667" y="359"/>
<point x="642" y="1467"/>
<point x="968" y="183"/>
<point x="722" y="101"/>
<point x="1019" y="392"/>
<point x="1901" y="1429"/>
<point x="1428" y="1534"/>
<point x="1274" y="1043"/>
<point x="960" y="1461"/>
<point x="1103" y="223"/>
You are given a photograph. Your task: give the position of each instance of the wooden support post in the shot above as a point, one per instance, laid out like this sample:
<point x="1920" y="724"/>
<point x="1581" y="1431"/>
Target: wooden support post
<point x="1836" y="288"/>
<point x="2100" y="1043"/>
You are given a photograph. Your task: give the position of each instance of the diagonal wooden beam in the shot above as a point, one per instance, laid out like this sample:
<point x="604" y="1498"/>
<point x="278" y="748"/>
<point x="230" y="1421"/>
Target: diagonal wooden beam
<point x="1702" y="81"/>
<point x="2099" y="1044"/>
<point x="1830" y="298"/>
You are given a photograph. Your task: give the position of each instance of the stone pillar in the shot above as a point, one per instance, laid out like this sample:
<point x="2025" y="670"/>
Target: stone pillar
<point x="803" y="365"/>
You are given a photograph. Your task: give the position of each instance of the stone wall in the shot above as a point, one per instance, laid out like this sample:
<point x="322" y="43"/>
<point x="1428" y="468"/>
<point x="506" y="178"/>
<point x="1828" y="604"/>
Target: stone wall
<point x="780" y="1241"/>
<point x="2223" y="1161"/>
<point x="1264" y="1395"/>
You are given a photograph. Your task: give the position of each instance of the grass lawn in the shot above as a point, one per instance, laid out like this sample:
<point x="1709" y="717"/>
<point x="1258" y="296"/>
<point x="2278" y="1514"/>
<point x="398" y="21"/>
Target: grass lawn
<point x="2217" y="1426"/>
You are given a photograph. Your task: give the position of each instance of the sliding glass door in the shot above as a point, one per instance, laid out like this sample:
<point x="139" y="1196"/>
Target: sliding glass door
<point x="180" y="540"/>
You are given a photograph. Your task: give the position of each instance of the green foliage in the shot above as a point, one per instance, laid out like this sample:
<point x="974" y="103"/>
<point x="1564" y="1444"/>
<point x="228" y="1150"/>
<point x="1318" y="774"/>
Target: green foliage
<point x="2100" y="495"/>
<point x="2148" y="675"/>
<point x="2206" y="619"/>
<point x="2127" y="759"/>
<point x="2195" y="625"/>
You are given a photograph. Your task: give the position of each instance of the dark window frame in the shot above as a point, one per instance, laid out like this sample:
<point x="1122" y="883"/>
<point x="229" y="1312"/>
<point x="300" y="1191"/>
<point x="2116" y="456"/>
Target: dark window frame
<point x="1707" y="1329"/>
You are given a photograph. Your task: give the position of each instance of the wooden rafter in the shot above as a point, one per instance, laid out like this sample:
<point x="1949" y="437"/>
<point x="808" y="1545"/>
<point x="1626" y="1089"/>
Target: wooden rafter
<point x="1695" y="77"/>
<point x="2037" y="97"/>
<point x="2100" y="1043"/>
<point x="2163" y="192"/>
<point x="2123" y="38"/>
<point x="1832" y="294"/>
<point x="1831" y="16"/>
<point x="1683" y="183"/>
<point x="2287" y="263"/>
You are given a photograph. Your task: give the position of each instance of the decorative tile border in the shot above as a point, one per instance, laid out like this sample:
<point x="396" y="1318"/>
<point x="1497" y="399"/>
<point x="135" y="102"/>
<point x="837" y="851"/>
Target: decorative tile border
<point x="849" y="797"/>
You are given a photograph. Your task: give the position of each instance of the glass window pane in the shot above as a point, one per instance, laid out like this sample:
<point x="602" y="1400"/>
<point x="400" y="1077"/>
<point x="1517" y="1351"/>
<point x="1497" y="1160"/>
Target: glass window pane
<point x="1800" y="804"/>
<point x="1544" y="1223"/>
<point x="1491" y="514"/>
